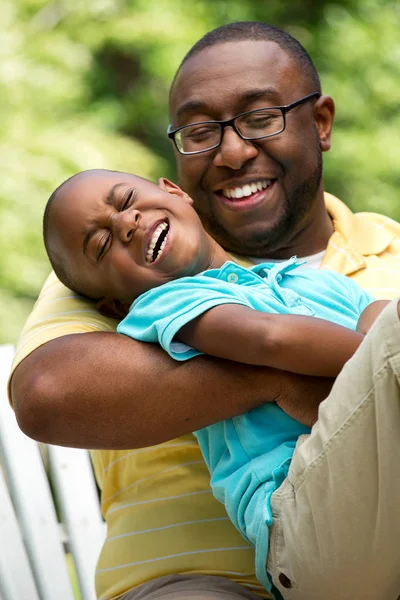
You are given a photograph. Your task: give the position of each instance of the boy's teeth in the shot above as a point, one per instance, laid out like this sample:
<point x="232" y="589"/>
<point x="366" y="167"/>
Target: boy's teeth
<point x="246" y="190"/>
<point x="156" y="235"/>
<point x="161" y="248"/>
<point x="154" y="239"/>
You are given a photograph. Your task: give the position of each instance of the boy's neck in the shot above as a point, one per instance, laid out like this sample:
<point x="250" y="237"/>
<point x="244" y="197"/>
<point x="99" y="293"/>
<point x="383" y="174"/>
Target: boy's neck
<point x="218" y="256"/>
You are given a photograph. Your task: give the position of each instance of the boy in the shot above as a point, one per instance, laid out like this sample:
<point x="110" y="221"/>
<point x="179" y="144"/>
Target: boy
<point x="117" y="238"/>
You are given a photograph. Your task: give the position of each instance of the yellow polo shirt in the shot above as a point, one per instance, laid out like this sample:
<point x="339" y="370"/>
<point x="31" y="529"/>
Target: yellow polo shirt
<point x="161" y="516"/>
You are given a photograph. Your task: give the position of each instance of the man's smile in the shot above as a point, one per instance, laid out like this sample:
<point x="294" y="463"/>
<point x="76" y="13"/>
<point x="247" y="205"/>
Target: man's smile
<point x="246" y="190"/>
<point x="246" y="196"/>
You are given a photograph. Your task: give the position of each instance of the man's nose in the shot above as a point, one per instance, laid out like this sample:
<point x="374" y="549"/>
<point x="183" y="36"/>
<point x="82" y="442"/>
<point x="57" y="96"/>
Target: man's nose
<point x="234" y="152"/>
<point x="126" y="223"/>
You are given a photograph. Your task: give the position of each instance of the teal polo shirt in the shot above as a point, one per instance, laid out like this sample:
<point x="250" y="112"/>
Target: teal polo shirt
<point x="248" y="456"/>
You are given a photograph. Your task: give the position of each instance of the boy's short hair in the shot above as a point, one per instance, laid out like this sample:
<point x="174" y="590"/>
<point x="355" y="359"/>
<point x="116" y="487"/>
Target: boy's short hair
<point x="59" y="268"/>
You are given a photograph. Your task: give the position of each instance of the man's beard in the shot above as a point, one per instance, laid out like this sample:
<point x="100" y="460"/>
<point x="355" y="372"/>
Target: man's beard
<point x="264" y="243"/>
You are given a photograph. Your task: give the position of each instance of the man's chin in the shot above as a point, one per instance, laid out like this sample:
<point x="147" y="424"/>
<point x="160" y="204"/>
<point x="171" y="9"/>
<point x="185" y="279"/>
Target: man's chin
<point x="246" y="235"/>
<point x="247" y="246"/>
<point x="250" y="241"/>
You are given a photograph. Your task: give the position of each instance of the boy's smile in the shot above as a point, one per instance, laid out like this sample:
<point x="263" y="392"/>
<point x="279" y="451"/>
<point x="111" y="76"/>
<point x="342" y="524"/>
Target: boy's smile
<point x="119" y="235"/>
<point x="156" y="241"/>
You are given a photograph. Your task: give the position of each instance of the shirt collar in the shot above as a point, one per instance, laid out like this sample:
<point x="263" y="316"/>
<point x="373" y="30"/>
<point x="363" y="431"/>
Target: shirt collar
<point x="354" y="238"/>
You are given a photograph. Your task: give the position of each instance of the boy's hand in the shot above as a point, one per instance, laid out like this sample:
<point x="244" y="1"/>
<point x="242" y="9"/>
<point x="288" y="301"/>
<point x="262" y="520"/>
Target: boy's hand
<point x="370" y="314"/>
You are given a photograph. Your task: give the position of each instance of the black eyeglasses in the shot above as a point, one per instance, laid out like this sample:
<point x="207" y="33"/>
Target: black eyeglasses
<point x="251" y="125"/>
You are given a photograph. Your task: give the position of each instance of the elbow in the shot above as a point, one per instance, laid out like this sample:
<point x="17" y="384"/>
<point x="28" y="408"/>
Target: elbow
<point x="34" y="400"/>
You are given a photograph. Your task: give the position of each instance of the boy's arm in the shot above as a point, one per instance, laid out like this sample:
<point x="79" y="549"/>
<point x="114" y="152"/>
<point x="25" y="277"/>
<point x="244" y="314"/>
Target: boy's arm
<point x="303" y="345"/>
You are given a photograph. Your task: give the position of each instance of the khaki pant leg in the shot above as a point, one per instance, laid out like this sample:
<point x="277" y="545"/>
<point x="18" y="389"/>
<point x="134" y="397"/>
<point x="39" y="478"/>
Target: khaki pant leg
<point x="336" y="529"/>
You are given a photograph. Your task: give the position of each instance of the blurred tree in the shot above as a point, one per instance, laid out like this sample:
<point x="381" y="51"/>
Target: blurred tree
<point x="85" y="84"/>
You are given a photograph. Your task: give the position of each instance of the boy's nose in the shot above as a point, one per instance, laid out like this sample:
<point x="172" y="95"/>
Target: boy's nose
<point x="126" y="223"/>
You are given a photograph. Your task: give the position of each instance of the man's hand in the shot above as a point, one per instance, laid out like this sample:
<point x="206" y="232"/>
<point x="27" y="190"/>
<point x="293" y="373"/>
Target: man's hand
<point x="302" y="395"/>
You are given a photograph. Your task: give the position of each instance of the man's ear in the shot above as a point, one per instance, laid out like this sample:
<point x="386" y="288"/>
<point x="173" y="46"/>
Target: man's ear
<point x="110" y="307"/>
<point x="168" y="186"/>
<point x="324" y="112"/>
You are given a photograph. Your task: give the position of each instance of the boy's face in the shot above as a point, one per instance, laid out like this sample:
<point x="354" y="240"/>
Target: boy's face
<point x="121" y="235"/>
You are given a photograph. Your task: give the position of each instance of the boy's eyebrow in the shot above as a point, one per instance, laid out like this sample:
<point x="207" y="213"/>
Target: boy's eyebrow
<point x="88" y="236"/>
<point x="110" y="198"/>
<point x="110" y="201"/>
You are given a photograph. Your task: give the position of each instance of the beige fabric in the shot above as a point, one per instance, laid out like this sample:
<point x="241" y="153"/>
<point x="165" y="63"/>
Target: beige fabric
<point x="190" y="587"/>
<point x="336" y="531"/>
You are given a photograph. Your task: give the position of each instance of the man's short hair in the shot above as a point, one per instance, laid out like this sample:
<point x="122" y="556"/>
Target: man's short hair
<point x="256" y="31"/>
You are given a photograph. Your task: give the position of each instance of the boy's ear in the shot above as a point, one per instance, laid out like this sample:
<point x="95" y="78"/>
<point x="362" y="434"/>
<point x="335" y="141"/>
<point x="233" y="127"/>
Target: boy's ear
<point x="168" y="186"/>
<point x="110" y="307"/>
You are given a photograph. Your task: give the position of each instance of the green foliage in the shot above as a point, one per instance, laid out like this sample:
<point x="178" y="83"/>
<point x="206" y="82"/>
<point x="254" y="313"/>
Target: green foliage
<point x="85" y="84"/>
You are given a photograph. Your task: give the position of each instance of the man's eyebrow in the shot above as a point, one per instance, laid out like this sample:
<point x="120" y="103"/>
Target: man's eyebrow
<point x="270" y="94"/>
<point x="192" y="106"/>
<point x="110" y="201"/>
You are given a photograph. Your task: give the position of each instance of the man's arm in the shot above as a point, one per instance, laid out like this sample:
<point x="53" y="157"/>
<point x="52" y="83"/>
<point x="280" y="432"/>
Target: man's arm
<point x="370" y="314"/>
<point x="104" y="390"/>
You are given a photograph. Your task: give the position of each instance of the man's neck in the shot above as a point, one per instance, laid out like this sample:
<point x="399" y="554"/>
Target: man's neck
<point x="311" y="239"/>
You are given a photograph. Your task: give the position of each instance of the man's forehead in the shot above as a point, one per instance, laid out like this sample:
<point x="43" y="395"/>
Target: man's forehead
<point x="241" y="67"/>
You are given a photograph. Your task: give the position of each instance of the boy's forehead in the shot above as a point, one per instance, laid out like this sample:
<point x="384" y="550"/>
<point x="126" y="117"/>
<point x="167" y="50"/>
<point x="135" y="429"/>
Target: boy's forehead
<point x="99" y="182"/>
<point x="102" y="177"/>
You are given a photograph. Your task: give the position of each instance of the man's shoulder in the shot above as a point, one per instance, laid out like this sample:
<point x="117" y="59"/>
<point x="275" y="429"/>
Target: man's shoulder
<point x="380" y="220"/>
<point x="361" y="234"/>
<point x="341" y="213"/>
<point x="58" y="312"/>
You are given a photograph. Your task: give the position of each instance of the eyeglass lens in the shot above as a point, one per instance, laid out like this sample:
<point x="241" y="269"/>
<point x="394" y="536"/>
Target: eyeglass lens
<point x="253" y="125"/>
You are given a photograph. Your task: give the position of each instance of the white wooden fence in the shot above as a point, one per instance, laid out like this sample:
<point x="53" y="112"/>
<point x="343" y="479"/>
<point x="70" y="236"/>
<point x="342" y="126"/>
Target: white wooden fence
<point x="38" y="524"/>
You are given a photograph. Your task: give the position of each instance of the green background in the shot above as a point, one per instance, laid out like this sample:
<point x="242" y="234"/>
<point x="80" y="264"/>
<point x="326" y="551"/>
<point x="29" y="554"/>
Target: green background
<point x="85" y="83"/>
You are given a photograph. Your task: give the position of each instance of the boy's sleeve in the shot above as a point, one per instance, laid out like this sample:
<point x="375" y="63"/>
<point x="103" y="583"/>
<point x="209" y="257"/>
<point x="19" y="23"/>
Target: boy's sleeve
<point x="361" y="297"/>
<point x="160" y="313"/>
<point x="349" y="289"/>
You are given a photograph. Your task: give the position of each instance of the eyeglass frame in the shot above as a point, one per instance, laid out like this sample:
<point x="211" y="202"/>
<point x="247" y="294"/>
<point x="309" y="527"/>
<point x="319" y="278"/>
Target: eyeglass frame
<point x="231" y="123"/>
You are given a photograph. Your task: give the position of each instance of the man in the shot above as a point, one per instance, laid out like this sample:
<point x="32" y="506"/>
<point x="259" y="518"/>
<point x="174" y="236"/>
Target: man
<point x="262" y="198"/>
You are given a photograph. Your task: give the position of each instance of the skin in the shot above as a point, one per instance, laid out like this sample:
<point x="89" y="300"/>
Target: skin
<point x="101" y="225"/>
<point x="100" y="228"/>
<point x="107" y="391"/>
<point x="289" y="217"/>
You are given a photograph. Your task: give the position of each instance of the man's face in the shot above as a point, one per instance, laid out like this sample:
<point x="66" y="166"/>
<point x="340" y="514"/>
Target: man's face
<point x="283" y="217"/>
<point x="120" y="235"/>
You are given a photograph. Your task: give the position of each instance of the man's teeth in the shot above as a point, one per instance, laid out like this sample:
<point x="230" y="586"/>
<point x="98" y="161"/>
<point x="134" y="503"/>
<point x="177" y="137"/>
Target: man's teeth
<point x="247" y="190"/>
<point x="154" y="239"/>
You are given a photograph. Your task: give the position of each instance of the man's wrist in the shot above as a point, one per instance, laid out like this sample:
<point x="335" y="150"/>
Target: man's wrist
<point x="301" y="396"/>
